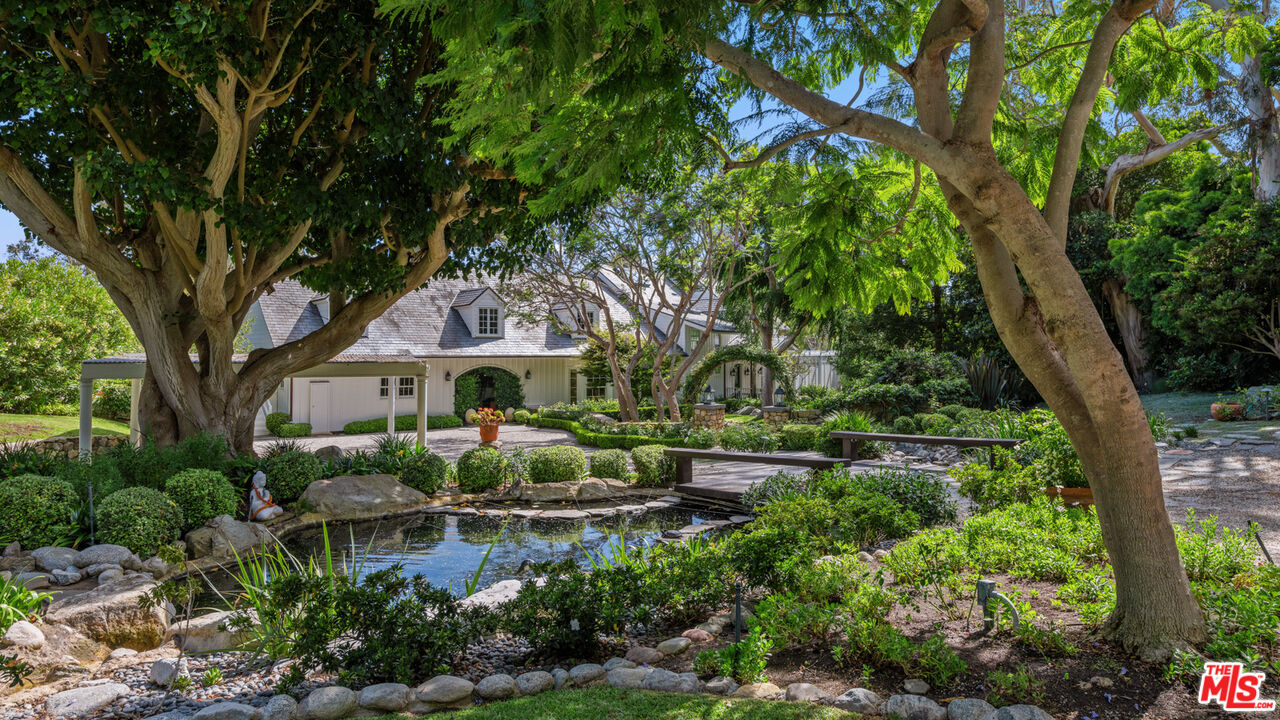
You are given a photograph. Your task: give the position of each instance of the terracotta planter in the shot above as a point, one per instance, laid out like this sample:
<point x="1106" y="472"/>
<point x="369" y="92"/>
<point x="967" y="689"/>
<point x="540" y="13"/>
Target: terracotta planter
<point x="489" y="433"/>
<point x="1071" y="497"/>
<point x="1224" y="412"/>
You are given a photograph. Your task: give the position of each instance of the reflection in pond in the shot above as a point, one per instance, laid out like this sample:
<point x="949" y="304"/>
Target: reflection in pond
<point x="447" y="549"/>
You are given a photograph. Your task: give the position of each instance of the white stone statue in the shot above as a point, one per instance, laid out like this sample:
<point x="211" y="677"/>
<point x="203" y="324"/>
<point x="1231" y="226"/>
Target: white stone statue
<point x="260" y="506"/>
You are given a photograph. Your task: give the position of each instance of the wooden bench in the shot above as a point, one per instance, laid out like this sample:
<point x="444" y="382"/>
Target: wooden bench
<point x="684" y="458"/>
<point x="851" y="442"/>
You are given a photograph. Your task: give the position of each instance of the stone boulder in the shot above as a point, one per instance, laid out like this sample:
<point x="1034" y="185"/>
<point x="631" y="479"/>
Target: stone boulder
<point x="497" y="687"/>
<point x="761" y="691"/>
<point x="23" y="634"/>
<point x="53" y="558"/>
<point x="494" y="595"/>
<point x="1018" y="712"/>
<point x="969" y="709"/>
<point x="914" y="707"/>
<point x="107" y="554"/>
<point x="328" y="452"/>
<point x="858" y="700"/>
<point x="600" y="489"/>
<point x="533" y="683"/>
<point x="111" y="614"/>
<point x="327" y="703"/>
<point x="387" y="697"/>
<point x="441" y="692"/>
<point x="226" y="537"/>
<point x="349" y="497"/>
<point x="83" y="701"/>
<point x="546" y="492"/>
<point x="65" y="652"/>
<point x="207" y="633"/>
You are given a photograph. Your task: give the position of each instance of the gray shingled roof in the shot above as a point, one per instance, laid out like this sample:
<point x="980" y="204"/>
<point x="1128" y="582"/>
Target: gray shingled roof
<point x="422" y="323"/>
<point x="468" y="296"/>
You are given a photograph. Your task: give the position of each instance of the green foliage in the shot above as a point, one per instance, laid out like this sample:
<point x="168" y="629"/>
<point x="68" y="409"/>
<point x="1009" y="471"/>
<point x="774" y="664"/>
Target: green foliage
<point x="991" y="488"/>
<point x="871" y="639"/>
<point x="778" y="486"/>
<point x="653" y="468"/>
<point x="26" y="460"/>
<point x="140" y="519"/>
<point x="923" y="493"/>
<point x="697" y="380"/>
<point x="480" y="469"/>
<point x="859" y="517"/>
<point x="393" y="628"/>
<point x="566" y="615"/>
<point x="904" y="425"/>
<point x="935" y="424"/>
<point x="275" y="421"/>
<point x="847" y="420"/>
<point x="507" y="386"/>
<point x="150" y="464"/>
<point x="801" y="437"/>
<point x="19" y="603"/>
<point x="425" y="471"/>
<point x="743" y="661"/>
<point x="404" y="423"/>
<point x="558" y="463"/>
<point x="520" y="416"/>
<point x="610" y="464"/>
<point x="1014" y="687"/>
<point x="53" y="316"/>
<point x="750" y="437"/>
<point x="37" y="510"/>
<point x="988" y="381"/>
<point x="289" y="474"/>
<point x="294" y="430"/>
<point x="113" y="399"/>
<point x="202" y="495"/>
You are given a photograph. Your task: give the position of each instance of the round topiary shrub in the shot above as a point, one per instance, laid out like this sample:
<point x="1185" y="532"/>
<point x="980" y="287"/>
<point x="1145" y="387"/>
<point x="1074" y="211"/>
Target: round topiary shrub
<point x="140" y="519"/>
<point x="36" y="509"/>
<point x="610" y="464"/>
<point x="653" y="467"/>
<point x="202" y="495"/>
<point x="951" y="411"/>
<point x="425" y="471"/>
<point x="289" y="474"/>
<point x="275" y="421"/>
<point x="522" y="416"/>
<point x="480" y="469"/>
<point x="904" y="425"/>
<point x="561" y="463"/>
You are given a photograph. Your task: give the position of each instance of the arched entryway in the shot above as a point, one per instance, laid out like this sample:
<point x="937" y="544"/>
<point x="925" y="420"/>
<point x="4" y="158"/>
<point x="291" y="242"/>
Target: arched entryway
<point x="490" y="387"/>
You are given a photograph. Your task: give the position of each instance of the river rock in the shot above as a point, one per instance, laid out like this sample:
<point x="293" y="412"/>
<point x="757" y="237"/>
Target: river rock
<point x="661" y="680"/>
<point x="697" y="635"/>
<point x="804" y="692"/>
<point x="617" y="662"/>
<point x="390" y="697"/>
<point x="533" y="683"/>
<point x="546" y="492"/>
<point x="969" y="709"/>
<point x="106" y="577"/>
<point x="356" y="496"/>
<point x="763" y="691"/>
<point x="111" y="614"/>
<point x="915" y="686"/>
<point x="53" y="558"/>
<point x="858" y="700"/>
<point x="445" y="690"/>
<point x="98" y="568"/>
<point x="674" y="646"/>
<point x="23" y="634"/>
<point x="914" y="707"/>
<point x="226" y="537"/>
<point x="227" y="711"/>
<point x="596" y="489"/>
<point x="561" y="677"/>
<point x="165" y="670"/>
<point x="328" y="703"/>
<point x="157" y="567"/>
<point x="1018" y="712"/>
<point x="33" y="580"/>
<point x="497" y="687"/>
<point x="82" y="701"/>
<point x="494" y="595"/>
<point x="70" y="576"/>
<point x="644" y="655"/>
<point x="585" y="674"/>
<point x="328" y="452"/>
<point x="280" y="707"/>
<point x="721" y="685"/>
<point x="627" y="678"/>
<point x="208" y="633"/>
<point x="107" y="554"/>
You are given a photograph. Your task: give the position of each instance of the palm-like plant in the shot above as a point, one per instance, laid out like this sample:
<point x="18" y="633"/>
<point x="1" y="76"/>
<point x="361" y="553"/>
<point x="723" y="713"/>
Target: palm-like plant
<point x="987" y="380"/>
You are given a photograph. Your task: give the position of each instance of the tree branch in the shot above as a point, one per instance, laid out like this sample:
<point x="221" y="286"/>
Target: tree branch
<point x="1126" y="164"/>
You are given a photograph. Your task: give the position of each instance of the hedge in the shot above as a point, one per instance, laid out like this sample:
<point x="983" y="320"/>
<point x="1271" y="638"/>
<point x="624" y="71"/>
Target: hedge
<point x="653" y="467"/>
<point x="140" y="519"/>
<point x="610" y="464"/>
<point x="293" y="430"/>
<point x="202" y="494"/>
<point x="603" y="440"/>
<point x="559" y="463"/>
<point x="403" y="423"/>
<point x="480" y="469"/>
<point x="37" y="510"/>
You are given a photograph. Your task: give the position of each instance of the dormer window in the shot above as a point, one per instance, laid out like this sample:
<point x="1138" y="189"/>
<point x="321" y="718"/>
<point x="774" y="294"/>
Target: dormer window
<point x="487" y="321"/>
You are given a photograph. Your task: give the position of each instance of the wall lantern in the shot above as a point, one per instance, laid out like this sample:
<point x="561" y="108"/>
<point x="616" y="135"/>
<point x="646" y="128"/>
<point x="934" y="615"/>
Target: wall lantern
<point x="448" y="376"/>
<point x="528" y="374"/>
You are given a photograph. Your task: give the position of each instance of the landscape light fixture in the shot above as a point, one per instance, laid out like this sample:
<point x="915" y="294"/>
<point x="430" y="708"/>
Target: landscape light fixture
<point x="707" y="396"/>
<point x="778" y="397"/>
<point x="448" y="376"/>
<point x="528" y="374"/>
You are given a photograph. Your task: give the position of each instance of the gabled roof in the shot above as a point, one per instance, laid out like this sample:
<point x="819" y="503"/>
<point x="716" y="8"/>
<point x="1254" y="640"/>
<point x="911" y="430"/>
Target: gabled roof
<point x="468" y="296"/>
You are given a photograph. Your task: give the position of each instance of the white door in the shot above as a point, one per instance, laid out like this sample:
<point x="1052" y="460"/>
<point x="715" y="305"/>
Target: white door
<point x="319" y="406"/>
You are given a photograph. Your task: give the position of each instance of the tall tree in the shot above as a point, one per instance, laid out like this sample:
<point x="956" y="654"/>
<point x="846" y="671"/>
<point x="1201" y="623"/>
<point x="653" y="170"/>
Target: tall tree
<point x="949" y="108"/>
<point x="191" y="155"/>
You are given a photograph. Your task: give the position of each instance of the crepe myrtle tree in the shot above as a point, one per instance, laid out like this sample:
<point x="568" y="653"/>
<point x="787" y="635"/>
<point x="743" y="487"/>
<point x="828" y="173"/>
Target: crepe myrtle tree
<point x="191" y="155"/>
<point x="998" y="101"/>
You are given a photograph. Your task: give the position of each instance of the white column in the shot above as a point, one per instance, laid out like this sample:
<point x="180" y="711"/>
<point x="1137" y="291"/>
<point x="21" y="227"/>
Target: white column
<point x="86" y="418"/>
<point x="135" y="422"/>
<point x="392" y="388"/>
<point x="422" y="408"/>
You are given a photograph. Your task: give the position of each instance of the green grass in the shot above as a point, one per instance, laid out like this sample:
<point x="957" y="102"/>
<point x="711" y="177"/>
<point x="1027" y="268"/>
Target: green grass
<point x="1181" y="408"/>
<point x="612" y="704"/>
<point x="38" y="427"/>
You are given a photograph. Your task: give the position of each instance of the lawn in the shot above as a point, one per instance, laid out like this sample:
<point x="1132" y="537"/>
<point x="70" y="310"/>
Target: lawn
<point x="606" y="703"/>
<point x="1181" y="408"/>
<point x="37" y="427"/>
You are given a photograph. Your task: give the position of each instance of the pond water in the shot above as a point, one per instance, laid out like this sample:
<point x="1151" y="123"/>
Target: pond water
<point x="447" y="549"/>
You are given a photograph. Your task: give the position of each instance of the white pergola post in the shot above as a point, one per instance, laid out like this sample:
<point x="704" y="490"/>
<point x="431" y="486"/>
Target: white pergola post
<point x="393" y="387"/>
<point x="422" y="407"/>
<point x="135" y="412"/>
<point x="86" y="417"/>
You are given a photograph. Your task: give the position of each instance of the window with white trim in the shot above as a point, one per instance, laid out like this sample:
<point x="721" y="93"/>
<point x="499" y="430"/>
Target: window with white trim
<point x="406" y="387"/>
<point x="487" y="321"/>
<point x="596" y="385"/>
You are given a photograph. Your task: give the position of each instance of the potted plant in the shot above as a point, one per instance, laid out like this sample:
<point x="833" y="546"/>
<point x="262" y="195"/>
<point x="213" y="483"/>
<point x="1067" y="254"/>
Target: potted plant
<point x="1228" y="407"/>
<point x="488" y="419"/>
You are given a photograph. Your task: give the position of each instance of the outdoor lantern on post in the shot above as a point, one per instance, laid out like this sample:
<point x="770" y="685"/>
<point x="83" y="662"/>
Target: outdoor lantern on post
<point x="778" y="397"/>
<point x="708" y="397"/>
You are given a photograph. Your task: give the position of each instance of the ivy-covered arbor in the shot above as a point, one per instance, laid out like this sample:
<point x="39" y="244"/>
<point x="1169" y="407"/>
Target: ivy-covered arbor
<point x="738" y="353"/>
<point x="483" y="385"/>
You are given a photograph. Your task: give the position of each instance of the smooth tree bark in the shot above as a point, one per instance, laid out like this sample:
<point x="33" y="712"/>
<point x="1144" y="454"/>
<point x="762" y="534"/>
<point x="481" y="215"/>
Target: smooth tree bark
<point x="1051" y="328"/>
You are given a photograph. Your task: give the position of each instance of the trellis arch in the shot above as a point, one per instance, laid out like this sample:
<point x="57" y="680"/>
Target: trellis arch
<point x="738" y="353"/>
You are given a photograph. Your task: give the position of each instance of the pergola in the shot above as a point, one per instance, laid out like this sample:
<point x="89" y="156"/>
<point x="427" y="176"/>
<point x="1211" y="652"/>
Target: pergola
<point x="133" y="367"/>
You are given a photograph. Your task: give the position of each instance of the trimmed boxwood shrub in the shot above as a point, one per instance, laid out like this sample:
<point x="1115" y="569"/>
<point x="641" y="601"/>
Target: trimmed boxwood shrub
<point x="521" y="416"/>
<point x="36" y="509"/>
<point x="610" y="464"/>
<point x="800" y="437"/>
<point x="290" y="472"/>
<point x="404" y="423"/>
<point x="904" y="425"/>
<point x="425" y="471"/>
<point x="140" y="519"/>
<point x="202" y="495"/>
<point x="653" y="467"/>
<point x="750" y="437"/>
<point x="560" y="463"/>
<point x="275" y="421"/>
<point x="480" y="469"/>
<point x="933" y="423"/>
<point x="293" y="430"/>
<point x="951" y="411"/>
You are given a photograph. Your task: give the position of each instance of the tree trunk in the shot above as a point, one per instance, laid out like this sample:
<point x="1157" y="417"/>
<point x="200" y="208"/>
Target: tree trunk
<point x="766" y="343"/>
<point x="1133" y="332"/>
<point x="628" y="408"/>
<point x="939" y="321"/>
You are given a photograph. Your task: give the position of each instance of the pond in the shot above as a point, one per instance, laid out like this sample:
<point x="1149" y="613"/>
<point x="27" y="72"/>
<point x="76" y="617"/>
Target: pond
<point x="447" y="549"/>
